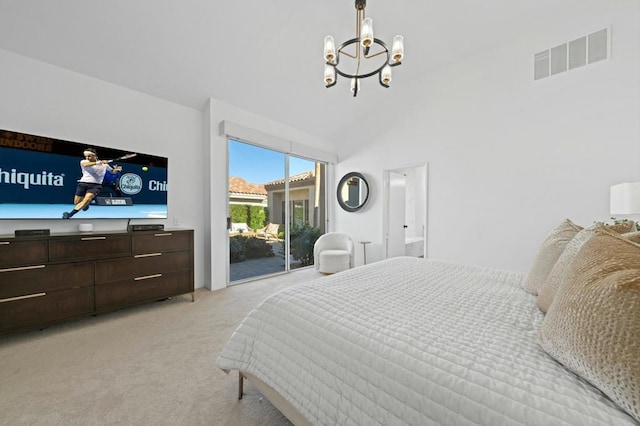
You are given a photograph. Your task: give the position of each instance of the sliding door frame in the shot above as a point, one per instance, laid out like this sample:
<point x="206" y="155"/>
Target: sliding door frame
<point x="287" y="201"/>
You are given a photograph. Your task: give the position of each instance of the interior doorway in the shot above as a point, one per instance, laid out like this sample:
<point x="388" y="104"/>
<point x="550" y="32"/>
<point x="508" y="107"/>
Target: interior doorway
<point x="405" y="211"/>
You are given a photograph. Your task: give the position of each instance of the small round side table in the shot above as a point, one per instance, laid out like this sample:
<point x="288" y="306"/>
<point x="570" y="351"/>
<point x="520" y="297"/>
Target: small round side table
<point x="364" y="249"/>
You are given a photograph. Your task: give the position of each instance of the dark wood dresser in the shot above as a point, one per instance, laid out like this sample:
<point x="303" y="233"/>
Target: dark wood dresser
<point x="49" y="279"/>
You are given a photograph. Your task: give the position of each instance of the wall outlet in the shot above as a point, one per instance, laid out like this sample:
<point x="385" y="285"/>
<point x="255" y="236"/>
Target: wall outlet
<point x="176" y="222"/>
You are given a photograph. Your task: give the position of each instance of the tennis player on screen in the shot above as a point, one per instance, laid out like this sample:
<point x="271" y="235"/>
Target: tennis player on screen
<point x="90" y="184"/>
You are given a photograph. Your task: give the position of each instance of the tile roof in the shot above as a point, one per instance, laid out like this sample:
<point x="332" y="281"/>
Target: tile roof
<point x="237" y="185"/>
<point x="310" y="175"/>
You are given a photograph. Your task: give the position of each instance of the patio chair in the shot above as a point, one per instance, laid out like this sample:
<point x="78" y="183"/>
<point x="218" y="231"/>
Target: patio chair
<point x="271" y="230"/>
<point x="333" y="252"/>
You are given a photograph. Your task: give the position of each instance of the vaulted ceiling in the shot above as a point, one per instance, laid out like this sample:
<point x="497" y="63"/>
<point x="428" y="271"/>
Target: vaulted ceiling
<point x="264" y="56"/>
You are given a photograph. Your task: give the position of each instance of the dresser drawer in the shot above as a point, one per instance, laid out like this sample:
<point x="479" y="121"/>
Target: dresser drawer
<point x="86" y="247"/>
<point x="41" y="308"/>
<point x="141" y="265"/>
<point x="14" y="252"/>
<point x="20" y="281"/>
<point x="154" y="287"/>
<point x="161" y="241"/>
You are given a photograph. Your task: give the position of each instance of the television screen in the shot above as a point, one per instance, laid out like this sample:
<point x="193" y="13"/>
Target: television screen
<point x="40" y="179"/>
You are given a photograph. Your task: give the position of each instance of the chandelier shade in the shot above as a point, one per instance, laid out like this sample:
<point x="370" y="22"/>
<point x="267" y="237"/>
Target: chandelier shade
<point x="363" y="56"/>
<point x="398" y="48"/>
<point x="329" y="49"/>
<point x="366" y="35"/>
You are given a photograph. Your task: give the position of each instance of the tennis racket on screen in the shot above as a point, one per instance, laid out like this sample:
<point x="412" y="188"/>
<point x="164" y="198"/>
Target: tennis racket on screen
<point x="124" y="157"/>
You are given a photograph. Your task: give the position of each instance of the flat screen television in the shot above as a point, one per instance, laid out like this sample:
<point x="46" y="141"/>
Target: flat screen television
<point x="39" y="175"/>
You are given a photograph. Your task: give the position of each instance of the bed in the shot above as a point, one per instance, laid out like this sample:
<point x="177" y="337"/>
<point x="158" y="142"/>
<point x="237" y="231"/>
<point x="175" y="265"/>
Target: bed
<point x="416" y="342"/>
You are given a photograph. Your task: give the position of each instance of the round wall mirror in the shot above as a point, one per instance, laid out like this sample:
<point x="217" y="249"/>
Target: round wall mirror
<point x="353" y="192"/>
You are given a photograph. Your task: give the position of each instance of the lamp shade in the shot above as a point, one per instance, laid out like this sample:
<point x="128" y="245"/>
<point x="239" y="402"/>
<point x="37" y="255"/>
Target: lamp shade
<point x="329" y="74"/>
<point x="329" y="49"/>
<point x="385" y="75"/>
<point x="366" y="34"/>
<point x="397" y="48"/>
<point x="625" y="198"/>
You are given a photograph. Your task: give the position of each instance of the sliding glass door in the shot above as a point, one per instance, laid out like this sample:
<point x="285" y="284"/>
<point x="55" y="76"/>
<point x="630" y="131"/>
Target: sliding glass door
<point x="277" y="210"/>
<point x="306" y="208"/>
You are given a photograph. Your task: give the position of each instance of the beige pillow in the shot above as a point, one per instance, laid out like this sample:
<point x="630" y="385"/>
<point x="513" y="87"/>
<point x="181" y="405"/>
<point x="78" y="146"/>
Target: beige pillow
<point x="633" y="236"/>
<point x="623" y="227"/>
<point x="549" y="252"/>
<point x="558" y="273"/>
<point x="593" y="326"/>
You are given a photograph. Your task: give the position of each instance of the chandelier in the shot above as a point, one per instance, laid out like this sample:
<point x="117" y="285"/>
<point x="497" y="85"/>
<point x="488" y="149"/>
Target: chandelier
<point x="365" y="55"/>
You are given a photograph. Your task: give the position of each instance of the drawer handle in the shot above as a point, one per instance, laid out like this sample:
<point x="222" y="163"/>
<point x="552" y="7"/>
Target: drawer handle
<point x="146" y="277"/>
<point x="5" y="243"/>
<point x="22" y="268"/>
<point x="137" y="256"/>
<point x="92" y="238"/>
<point x="166" y="234"/>
<point x="28" y="296"/>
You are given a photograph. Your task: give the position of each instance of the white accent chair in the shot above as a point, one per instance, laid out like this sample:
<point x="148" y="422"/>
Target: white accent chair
<point x="333" y="252"/>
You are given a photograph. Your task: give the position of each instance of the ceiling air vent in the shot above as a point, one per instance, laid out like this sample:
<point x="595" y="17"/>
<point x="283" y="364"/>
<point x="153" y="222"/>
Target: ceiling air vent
<point x="573" y="54"/>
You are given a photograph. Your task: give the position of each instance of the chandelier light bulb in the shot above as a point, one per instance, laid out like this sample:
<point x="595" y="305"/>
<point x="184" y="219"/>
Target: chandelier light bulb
<point x="329" y="74"/>
<point x="385" y="75"/>
<point x="366" y="33"/>
<point x="397" y="49"/>
<point x="329" y="49"/>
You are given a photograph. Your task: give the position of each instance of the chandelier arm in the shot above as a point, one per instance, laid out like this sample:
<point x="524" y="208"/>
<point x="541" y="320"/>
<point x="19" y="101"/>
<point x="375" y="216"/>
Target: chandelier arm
<point x="386" y="86"/>
<point x="377" y="41"/>
<point x="382" y="52"/>
<point x="384" y="46"/>
<point x="348" y="43"/>
<point x="369" y="74"/>
<point x="357" y="40"/>
<point x="349" y="55"/>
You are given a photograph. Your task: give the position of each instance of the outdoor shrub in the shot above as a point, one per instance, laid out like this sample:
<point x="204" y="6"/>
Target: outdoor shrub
<point x="238" y="213"/>
<point x="236" y="249"/>
<point x="256" y="248"/>
<point x="254" y="216"/>
<point x="243" y="248"/>
<point x="303" y="239"/>
<point x="257" y="217"/>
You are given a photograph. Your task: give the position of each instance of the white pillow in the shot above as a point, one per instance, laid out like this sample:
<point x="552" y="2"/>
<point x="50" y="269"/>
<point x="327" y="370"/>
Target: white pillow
<point x="239" y="227"/>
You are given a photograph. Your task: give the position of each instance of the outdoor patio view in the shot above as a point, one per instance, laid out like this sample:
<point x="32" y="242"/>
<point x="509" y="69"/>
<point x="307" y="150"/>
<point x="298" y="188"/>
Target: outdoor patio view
<point x="262" y="205"/>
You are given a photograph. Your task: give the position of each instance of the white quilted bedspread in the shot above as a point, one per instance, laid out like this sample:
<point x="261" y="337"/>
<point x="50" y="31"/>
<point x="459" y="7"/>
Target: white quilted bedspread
<point x="417" y="342"/>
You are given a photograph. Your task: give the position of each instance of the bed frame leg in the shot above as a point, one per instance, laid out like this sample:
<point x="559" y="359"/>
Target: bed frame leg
<point x="240" y="385"/>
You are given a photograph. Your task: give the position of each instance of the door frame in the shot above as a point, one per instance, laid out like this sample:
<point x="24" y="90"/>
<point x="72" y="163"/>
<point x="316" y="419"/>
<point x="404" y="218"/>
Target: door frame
<point x="386" y="188"/>
<point x="287" y="200"/>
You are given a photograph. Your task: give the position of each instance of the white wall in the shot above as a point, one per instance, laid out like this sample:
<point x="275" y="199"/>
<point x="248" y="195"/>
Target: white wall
<point x="223" y="120"/>
<point x="41" y="99"/>
<point x="45" y="100"/>
<point x="508" y="157"/>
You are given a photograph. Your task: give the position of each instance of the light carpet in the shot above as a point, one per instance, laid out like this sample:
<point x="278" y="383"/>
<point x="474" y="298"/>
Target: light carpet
<point x="148" y="365"/>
